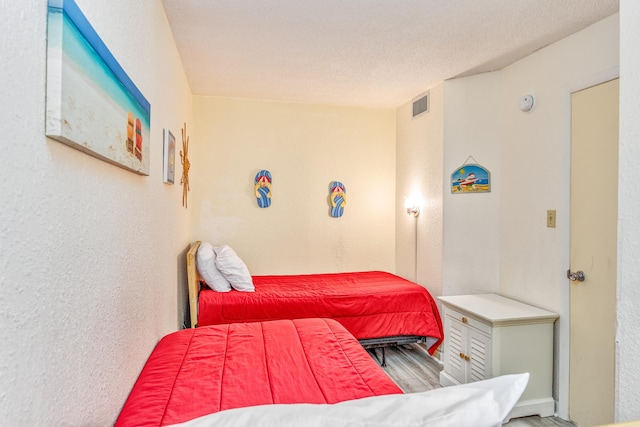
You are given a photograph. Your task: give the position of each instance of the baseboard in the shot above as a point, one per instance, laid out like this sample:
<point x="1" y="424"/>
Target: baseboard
<point x="542" y="407"/>
<point x="447" y="380"/>
<point x="437" y="357"/>
<point x="436" y="361"/>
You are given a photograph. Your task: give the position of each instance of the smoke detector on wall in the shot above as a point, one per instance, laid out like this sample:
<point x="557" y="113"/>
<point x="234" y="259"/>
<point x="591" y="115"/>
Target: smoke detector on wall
<point x="527" y="102"/>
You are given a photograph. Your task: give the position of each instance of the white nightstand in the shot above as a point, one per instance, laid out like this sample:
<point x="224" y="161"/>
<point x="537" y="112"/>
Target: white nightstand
<point x="489" y="335"/>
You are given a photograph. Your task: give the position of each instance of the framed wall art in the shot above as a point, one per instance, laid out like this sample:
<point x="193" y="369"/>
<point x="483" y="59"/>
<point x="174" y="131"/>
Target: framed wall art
<point x="91" y="103"/>
<point x="470" y="178"/>
<point x="169" y="164"/>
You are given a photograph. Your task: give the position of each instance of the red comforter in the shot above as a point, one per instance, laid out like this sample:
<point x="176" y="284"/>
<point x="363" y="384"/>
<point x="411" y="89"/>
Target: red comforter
<point x="194" y="372"/>
<point x="370" y="304"/>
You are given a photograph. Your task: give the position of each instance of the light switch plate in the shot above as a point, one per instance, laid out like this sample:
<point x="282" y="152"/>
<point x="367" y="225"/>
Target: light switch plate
<point x="551" y="218"/>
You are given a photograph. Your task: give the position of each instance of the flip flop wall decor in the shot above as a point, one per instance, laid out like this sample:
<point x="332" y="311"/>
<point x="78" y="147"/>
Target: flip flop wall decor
<point x="262" y="188"/>
<point x="338" y="198"/>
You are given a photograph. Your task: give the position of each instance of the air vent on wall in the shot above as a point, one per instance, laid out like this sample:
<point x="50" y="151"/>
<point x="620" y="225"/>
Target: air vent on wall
<point x="421" y="105"/>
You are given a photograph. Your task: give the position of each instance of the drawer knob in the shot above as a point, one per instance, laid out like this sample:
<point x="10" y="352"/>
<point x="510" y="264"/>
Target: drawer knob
<point x="461" y="355"/>
<point x="464" y="320"/>
<point x="467" y="358"/>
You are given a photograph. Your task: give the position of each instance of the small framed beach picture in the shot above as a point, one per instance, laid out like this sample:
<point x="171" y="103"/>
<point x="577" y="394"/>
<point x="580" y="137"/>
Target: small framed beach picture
<point x="470" y="178"/>
<point x="169" y="164"/>
<point x="91" y="103"/>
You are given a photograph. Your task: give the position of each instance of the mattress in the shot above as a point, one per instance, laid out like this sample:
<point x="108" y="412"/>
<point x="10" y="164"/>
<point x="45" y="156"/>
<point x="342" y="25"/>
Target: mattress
<point x="194" y="372"/>
<point x="370" y="304"/>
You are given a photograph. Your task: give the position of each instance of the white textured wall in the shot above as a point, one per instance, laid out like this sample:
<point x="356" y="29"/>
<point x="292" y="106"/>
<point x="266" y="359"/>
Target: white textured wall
<point x="89" y="253"/>
<point x="305" y="147"/>
<point x="505" y="246"/>
<point x="419" y="148"/>
<point x="471" y="221"/>
<point x="628" y="337"/>
<point x="535" y="153"/>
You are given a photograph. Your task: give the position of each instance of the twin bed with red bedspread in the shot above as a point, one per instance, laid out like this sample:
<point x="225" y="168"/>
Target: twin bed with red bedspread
<point x="290" y="373"/>
<point x="370" y="304"/>
<point x="375" y="306"/>
<point x="195" y="372"/>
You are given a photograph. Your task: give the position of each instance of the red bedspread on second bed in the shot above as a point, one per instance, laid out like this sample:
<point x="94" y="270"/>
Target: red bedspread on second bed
<point x="194" y="372"/>
<point x="370" y="304"/>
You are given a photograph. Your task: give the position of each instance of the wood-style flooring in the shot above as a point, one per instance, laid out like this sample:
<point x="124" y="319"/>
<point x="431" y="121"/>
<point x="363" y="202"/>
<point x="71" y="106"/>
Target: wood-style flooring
<point x="411" y="367"/>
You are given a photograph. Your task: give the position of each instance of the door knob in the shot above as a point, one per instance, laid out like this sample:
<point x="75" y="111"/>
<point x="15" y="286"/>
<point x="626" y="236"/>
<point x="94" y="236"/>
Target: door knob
<point x="577" y="276"/>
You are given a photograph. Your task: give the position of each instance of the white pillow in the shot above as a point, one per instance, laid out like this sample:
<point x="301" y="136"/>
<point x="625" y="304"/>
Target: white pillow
<point x="480" y="404"/>
<point x="206" y="266"/>
<point x="233" y="269"/>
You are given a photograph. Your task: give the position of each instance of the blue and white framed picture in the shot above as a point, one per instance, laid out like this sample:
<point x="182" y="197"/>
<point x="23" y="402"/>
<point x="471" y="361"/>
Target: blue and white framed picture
<point x="470" y="178"/>
<point x="169" y="166"/>
<point x="92" y="104"/>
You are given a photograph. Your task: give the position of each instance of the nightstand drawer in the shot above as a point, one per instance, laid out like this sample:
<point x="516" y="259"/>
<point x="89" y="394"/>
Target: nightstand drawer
<point x="467" y="320"/>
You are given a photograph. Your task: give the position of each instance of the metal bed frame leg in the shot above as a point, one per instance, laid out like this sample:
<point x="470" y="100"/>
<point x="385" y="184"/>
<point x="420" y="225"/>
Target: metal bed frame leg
<point x="383" y="343"/>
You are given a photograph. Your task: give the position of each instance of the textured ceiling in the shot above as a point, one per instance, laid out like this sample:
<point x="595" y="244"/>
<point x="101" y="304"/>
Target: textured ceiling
<point x="375" y="53"/>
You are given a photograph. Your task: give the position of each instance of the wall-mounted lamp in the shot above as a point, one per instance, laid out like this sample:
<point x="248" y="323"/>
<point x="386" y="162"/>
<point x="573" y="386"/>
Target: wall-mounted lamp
<point x="412" y="204"/>
<point x="413" y="210"/>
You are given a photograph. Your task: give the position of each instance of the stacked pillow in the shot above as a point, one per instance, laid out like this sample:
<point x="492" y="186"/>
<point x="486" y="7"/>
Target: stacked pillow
<point x="222" y="269"/>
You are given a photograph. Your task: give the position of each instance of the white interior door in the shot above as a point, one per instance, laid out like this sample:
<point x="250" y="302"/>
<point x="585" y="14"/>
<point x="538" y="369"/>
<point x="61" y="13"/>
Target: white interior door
<point x="594" y="216"/>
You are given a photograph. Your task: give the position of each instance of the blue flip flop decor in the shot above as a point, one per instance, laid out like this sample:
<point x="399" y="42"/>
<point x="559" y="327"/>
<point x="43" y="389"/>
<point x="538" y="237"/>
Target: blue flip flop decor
<point x="262" y="188"/>
<point x="338" y="198"/>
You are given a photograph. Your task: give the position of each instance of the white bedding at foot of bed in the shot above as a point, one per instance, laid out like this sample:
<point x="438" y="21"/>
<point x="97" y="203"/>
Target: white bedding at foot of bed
<point x="480" y="404"/>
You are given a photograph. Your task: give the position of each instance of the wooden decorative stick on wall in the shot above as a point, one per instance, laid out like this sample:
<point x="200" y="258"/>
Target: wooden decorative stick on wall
<point x="184" y="158"/>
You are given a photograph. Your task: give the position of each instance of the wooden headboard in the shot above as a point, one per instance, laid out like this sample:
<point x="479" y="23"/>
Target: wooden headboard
<point x="193" y="281"/>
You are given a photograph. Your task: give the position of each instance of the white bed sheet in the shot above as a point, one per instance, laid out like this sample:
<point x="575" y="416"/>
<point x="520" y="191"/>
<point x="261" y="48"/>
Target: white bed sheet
<point x="480" y="404"/>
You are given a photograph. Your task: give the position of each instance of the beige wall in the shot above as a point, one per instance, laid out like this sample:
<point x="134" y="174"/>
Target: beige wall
<point x="419" y="150"/>
<point x="305" y="147"/>
<point x="471" y="221"/>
